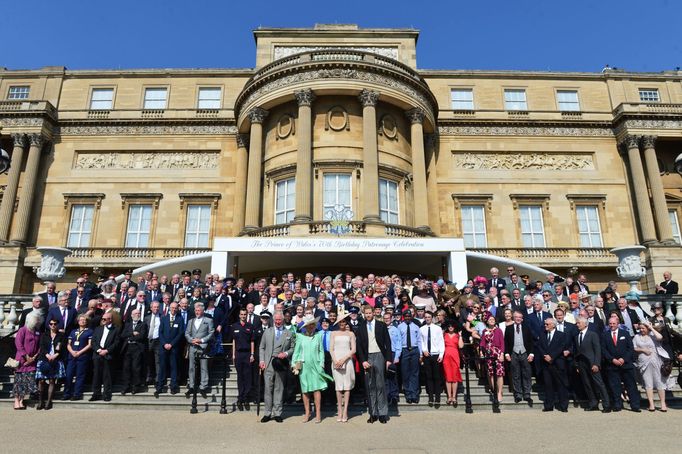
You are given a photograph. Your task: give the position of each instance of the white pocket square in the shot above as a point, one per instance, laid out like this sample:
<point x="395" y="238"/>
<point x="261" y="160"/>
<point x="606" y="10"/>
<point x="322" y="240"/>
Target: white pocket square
<point x="622" y="338"/>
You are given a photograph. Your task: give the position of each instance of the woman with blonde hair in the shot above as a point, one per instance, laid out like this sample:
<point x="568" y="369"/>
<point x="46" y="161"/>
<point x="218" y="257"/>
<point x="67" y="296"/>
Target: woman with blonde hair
<point x="650" y="354"/>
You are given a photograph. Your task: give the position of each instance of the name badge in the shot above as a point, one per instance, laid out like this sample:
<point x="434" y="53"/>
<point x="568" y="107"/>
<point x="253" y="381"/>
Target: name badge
<point x="236" y="331"/>
<point x="76" y="343"/>
<point x="175" y="326"/>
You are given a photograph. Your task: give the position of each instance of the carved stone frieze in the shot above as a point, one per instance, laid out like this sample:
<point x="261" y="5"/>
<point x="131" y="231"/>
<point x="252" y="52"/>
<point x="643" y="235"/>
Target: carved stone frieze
<point x="21" y="121"/>
<point x="524" y="161"/>
<point x="640" y="123"/>
<point x="489" y="130"/>
<point x="126" y="130"/>
<point x="285" y="51"/>
<point x="147" y="160"/>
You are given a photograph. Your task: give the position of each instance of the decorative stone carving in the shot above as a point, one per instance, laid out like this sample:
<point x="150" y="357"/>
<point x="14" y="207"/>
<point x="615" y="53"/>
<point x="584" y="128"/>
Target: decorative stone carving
<point x="478" y="130"/>
<point x="19" y="140"/>
<point x="524" y="161"/>
<point x="368" y="98"/>
<point x="629" y="265"/>
<point x="36" y="140"/>
<point x="286" y="51"/>
<point x="650" y="124"/>
<point x="21" y="121"/>
<point x="630" y="141"/>
<point x="415" y="115"/>
<point x="304" y="97"/>
<point x="285" y="126"/>
<point x="337" y="119"/>
<point x="147" y="160"/>
<point x="242" y="140"/>
<point x="648" y="142"/>
<point x="258" y="115"/>
<point x="142" y="130"/>
<point x="52" y="263"/>
<point x="388" y="127"/>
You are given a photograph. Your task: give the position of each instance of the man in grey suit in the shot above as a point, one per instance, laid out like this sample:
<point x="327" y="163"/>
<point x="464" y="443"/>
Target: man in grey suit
<point x="276" y="346"/>
<point x="198" y="333"/>
<point x="588" y="361"/>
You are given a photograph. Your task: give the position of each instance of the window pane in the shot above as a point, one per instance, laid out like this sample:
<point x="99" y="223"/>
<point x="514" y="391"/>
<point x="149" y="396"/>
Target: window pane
<point x="388" y="201"/>
<point x="285" y="201"/>
<point x="462" y="99"/>
<point x="209" y="98"/>
<point x="515" y="99"/>
<point x="102" y="98"/>
<point x="532" y="228"/>
<point x="473" y="226"/>
<point x="155" y="98"/>
<point x="567" y="100"/>
<point x="648" y="95"/>
<point x="674" y="222"/>
<point x="18" y="92"/>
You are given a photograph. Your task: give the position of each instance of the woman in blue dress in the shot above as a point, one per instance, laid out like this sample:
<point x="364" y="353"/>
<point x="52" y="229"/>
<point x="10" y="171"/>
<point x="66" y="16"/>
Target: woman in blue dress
<point x="80" y="352"/>
<point x="50" y="366"/>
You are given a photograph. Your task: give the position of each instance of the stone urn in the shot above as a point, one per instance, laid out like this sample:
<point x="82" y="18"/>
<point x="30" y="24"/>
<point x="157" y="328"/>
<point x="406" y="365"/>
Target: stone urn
<point x="52" y="263"/>
<point x="630" y="267"/>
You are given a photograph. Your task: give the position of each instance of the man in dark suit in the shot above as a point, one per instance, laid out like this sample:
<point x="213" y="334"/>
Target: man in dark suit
<point x="552" y="366"/>
<point x="668" y="286"/>
<point x="316" y="287"/>
<point x="587" y="348"/>
<point x="594" y="323"/>
<point x="171" y="332"/>
<point x="65" y="315"/>
<point x="134" y="342"/>
<point x="78" y="299"/>
<point x="518" y="345"/>
<point x="153" y="322"/>
<point x="628" y="317"/>
<point x="536" y="319"/>
<point x="104" y="343"/>
<point x="618" y="353"/>
<point x="140" y="303"/>
<point x="495" y="281"/>
<point x="49" y="296"/>
<point x="375" y="355"/>
<point x="253" y="297"/>
<point x="127" y="278"/>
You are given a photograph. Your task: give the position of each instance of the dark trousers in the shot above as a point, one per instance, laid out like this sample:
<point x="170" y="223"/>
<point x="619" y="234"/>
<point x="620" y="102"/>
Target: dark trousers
<point x="132" y="365"/>
<point x="244" y="375"/>
<point x="618" y="375"/>
<point x="409" y="369"/>
<point x="556" y="387"/>
<point x="167" y="359"/>
<point x="434" y="377"/>
<point x="78" y="368"/>
<point x="101" y="375"/>
<point x="592" y="383"/>
<point x="153" y="360"/>
<point x="521" y="374"/>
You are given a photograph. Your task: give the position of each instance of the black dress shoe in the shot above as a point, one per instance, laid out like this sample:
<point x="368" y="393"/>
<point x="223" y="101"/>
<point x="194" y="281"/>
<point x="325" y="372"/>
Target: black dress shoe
<point x="125" y="391"/>
<point x="530" y="402"/>
<point x="636" y="410"/>
<point x="371" y="419"/>
<point x="240" y="406"/>
<point x="617" y="410"/>
<point x="595" y="408"/>
<point x="48" y="406"/>
<point x="156" y="394"/>
<point x="174" y="391"/>
<point x="383" y="419"/>
<point x="188" y="394"/>
<point x="430" y="403"/>
<point x="436" y="405"/>
<point x="65" y="397"/>
<point x="75" y="398"/>
<point x="203" y="393"/>
<point x="517" y="400"/>
<point x="563" y="410"/>
<point x="94" y="398"/>
<point x="107" y="399"/>
<point x="547" y="409"/>
<point x="278" y="419"/>
<point x="606" y="410"/>
<point x="265" y="419"/>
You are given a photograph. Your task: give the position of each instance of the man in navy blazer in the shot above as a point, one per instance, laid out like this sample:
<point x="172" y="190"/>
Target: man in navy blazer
<point x="535" y="321"/>
<point x="618" y="353"/>
<point x="171" y="332"/>
<point x="551" y="364"/>
<point x="65" y="315"/>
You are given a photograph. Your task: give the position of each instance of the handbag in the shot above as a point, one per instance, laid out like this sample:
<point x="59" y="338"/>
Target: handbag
<point x="666" y="367"/>
<point x="12" y="363"/>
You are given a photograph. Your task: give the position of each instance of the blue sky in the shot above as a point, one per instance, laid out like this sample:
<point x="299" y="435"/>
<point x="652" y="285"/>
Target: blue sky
<point x="578" y="35"/>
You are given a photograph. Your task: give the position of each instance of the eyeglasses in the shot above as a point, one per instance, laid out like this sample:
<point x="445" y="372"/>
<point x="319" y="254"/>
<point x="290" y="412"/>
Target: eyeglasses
<point x="54" y="323"/>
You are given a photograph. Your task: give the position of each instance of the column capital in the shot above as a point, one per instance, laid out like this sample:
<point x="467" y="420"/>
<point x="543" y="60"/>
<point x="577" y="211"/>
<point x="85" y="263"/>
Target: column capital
<point x="629" y="142"/>
<point x="368" y="98"/>
<point x="19" y="139"/>
<point x="648" y="141"/>
<point x="257" y="115"/>
<point x="415" y="115"/>
<point x="242" y="140"/>
<point x="36" y="140"/>
<point x="304" y="97"/>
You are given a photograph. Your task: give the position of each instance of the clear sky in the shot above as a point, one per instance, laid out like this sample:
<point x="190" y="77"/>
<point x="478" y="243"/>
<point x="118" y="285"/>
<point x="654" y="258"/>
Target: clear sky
<point x="577" y="35"/>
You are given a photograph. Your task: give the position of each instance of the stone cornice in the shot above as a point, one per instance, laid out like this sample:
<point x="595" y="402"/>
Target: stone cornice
<point x="109" y="128"/>
<point x="509" y="128"/>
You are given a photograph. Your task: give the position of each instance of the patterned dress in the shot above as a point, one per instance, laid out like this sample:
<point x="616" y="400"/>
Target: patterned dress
<point x="492" y="344"/>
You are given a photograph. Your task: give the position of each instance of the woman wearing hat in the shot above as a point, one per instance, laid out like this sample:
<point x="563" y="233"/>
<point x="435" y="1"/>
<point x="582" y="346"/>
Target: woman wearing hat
<point x="308" y="360"/>
<point x="342" y="349"/>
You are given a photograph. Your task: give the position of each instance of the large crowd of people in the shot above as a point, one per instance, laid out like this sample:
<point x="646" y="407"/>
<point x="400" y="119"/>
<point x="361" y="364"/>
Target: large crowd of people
<point x="346" y="338"/>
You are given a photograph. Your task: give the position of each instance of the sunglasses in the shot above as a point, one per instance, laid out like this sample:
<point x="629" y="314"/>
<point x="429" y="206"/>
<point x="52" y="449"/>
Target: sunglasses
<point x="54" y="323"/>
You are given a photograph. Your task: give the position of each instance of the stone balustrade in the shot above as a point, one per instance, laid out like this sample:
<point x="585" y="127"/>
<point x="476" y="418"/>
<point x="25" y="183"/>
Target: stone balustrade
<point x="561" y="256"/>
<point x="10" y="309"/>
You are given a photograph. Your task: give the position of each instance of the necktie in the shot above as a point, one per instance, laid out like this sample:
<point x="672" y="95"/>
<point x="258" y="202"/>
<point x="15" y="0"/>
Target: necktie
<point x="326" y="341"/>
<point x="409" y="336"/>
<point x="152" y="322"/>
<point x="518" y="329"/>
<point x="370" y="326"/>
<point x="601" y="313"/>
<point x="64" y="314"/>
<point x="540" y="316"/>
<point x="428" y="340"/>
<point x="78" y="303"/>
<point x="278" y="333"/>
<point x="580" y="339"/>
<point x="549" y="337"/>
<point x="494" y="282"/>
<point x="615" y="337"/>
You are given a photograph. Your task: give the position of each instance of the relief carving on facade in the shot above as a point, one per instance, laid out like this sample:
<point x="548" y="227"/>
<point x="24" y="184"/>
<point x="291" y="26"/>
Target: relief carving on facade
<point x="147" y="160"/>
<point x="126" y="130"/>
<point x="286" y="51"/>
<point x="524" y="161"/>
<point x="524" y="131"/>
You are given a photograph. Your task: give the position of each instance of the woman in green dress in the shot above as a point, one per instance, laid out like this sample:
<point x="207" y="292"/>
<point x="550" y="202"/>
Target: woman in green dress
<point x="308" y="364"/>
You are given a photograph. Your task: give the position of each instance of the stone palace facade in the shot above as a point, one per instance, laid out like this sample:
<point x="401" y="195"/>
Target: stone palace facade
<point x="130" y="167"/>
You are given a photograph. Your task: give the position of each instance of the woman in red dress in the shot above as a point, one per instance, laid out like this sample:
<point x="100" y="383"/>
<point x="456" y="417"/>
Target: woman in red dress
<point x="453" y="376"/>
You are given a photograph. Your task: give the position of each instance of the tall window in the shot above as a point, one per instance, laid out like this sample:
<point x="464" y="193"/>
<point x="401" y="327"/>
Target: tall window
<point x="155" y="98"/>
<point x="532" y="228"/>
<point x="588" y="226"/>
<point x="388" y="201"/>
<point x="80" y="227"/>
<point x="198" y="225"/>
<point x="18" y="92"/>
<point x="567" y="101"/>
<point x="675" y="223"/>
<point x="515" y="99"/>
<point x="285" y="201"/>
<point x="473" y="226"/>
<point x="102" y="99"/>
<point x="139" y="226"/>
<point x="649" y="95"/>
<point x="462" y="99"/>
<point x="336" y="190"/>
<point x="209" y="98"/>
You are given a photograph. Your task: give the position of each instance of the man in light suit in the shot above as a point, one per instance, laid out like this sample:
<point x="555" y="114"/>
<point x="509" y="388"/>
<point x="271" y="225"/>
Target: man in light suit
<point x="587" y="347"/>
<point x="276" y="346"/>
<point x="198" y="333"/>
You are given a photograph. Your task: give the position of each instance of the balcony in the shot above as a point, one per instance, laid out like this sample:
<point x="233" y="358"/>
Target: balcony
<point x="654" y="108"/>
<point x="552" y="257"/>
<point x="324" y="229"/>
<point x="117" y="257"/>
<point x="119" y="115"/>
<point x="24" y="107"/>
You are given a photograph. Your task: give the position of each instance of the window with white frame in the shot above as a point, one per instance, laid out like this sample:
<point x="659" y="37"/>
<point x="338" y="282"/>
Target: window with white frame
<point x="80" y="226"/>
<point x="462" y="99"/>
<point x="155" y="98"/>
<point x="567" y="101"/>
<point x="139" y="226"/>
<point x="209" y="98"/>
<point x="18" y="92"/>
<point x="102" y="99"/>
<point x="675" y="224"/>
<point x="473" y="226"/>
<point x="515" y="99"/>
<point x="649" y="95"/>
<point x="285" y="201"/>
<point x="532" y="227"/>
<point x="589" y="228"/>
<point x="336" y="190"/>
<point x="388" y="201"/>
<point x="198" y="226"/>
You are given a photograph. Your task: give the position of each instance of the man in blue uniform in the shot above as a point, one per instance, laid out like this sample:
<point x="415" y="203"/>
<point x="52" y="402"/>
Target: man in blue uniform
<point x="80" y="353"/>
<point x="170" y="335"/>
<point x="242" y="336"/>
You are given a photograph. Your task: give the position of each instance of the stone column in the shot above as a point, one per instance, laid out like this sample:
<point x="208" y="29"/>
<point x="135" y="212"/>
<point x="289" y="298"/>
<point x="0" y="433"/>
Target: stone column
<point x="646" y="221"/>
<point x="10" y="195"/>
<point x="253" y="183"/>
<point x="304" y="160"/>
<point x="240" y="181"/>
<point x="370" y="157"/>
<point x="665" y="230"/>
<point x="430" y="149"/>
<point x="421" y="212"/>
<point x="28" y="189"/>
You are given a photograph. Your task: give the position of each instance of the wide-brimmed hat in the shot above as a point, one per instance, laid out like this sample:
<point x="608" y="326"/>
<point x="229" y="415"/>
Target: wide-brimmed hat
<point x="310" y="320"/>
<point x="342" y="316"/>
<point x="631" y="296"/>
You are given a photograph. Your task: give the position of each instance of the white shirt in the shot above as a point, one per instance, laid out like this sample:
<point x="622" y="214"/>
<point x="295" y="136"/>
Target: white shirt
<point x="197" y="323"/>
<point x="437" y="341"/>
<point x="105" y="333"/>
<point x="156" y="320"/>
